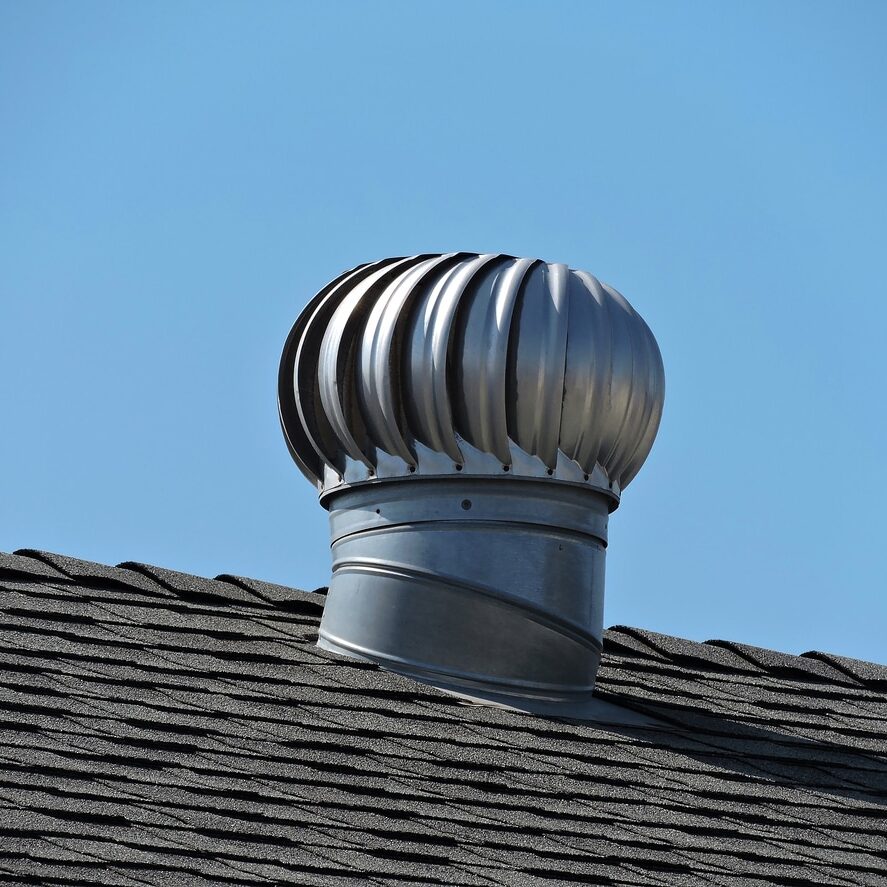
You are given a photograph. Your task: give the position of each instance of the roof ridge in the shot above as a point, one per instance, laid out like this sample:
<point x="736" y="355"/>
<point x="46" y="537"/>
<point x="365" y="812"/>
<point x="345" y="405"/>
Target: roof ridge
<point x="227" y="588"/>
<point x="22" y="565"/>
<point x="811" y="665"/>
<point x="193" y="587"/>
<point x="872" y="674"/>
<point x="833" y="659"/>
<point x="34" y="564"/>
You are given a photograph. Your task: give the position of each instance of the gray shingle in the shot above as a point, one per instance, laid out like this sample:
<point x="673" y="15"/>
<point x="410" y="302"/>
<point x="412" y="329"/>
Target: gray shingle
<point x="784" y="664"/>
<point x="13" y="565"/>
<point x="191" y="587"/>
<point x="690" y="652"/>
<point x="157" y="728"/>
<point x="89" y="573"/>
<point x="868" y="673"/>
<point x="279" y="595"/>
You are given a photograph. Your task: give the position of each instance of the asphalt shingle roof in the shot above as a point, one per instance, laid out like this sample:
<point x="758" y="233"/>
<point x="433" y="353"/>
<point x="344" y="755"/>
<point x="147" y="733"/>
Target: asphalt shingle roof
<point x="160" y="728"/>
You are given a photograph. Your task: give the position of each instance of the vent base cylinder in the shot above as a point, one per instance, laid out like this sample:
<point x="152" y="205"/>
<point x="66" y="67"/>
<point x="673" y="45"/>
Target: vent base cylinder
<point x="491" y="589"/>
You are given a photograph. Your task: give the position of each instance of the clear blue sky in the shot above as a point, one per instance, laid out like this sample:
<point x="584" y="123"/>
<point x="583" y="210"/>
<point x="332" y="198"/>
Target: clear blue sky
<point x="177" y="179"/>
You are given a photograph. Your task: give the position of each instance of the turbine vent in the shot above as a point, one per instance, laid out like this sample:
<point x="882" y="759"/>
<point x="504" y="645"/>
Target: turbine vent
<point x="469" y="421"/>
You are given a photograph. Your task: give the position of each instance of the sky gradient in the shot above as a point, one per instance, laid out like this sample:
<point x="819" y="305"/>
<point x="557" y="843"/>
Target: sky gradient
<point x="178" y="179"/>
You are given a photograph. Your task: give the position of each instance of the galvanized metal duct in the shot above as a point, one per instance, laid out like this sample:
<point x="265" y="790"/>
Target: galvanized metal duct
<point x="469" y="421"/>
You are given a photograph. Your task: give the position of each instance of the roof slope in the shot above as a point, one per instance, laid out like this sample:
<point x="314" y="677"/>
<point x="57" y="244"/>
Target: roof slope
<point x="158" y="728"/>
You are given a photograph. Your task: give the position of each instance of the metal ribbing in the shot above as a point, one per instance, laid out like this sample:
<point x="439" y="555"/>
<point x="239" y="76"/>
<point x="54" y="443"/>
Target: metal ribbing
<point x="537" y="361"/>
<point x="480" y="358"/>
<point x="493" y="350"/>
<point x="427" y="363"/>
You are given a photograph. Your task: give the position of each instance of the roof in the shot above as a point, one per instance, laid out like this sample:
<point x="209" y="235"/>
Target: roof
<point x="160" y="728"/>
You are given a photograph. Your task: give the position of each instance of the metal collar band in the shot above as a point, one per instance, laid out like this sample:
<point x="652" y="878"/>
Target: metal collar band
<point x="478" y="586"/>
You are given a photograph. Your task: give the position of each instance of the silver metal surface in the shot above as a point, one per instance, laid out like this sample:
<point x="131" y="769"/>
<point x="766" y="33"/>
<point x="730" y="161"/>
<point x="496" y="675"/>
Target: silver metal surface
<point x="470" y="421"/>
<point x="485" y="587"/>
<point x="542" y="369"/>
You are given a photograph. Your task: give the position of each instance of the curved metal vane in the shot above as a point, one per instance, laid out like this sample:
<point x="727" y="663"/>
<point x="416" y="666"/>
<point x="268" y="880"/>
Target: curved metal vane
<point x="431" y="363"/>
